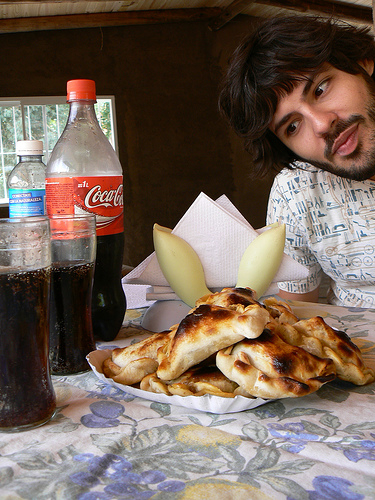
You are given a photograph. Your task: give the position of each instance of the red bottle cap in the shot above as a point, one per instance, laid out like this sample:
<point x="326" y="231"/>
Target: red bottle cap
<point x="81" y="89"/>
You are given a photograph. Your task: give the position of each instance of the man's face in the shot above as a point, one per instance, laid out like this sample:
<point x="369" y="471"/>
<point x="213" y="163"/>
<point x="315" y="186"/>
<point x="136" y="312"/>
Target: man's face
<point x="329" y="121"/>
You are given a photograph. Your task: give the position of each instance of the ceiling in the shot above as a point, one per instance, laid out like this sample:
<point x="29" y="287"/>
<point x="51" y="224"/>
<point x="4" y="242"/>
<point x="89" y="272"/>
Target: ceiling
<point x="28" y="15"/>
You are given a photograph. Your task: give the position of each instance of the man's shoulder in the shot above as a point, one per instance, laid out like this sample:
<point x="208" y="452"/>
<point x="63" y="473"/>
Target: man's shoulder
<point x="300" y="178"/>
<point x="304" y="174"/>
<point x="300" y="171"/>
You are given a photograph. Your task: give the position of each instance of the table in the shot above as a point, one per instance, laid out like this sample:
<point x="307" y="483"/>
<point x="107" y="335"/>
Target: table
<point x="106" y="444"/>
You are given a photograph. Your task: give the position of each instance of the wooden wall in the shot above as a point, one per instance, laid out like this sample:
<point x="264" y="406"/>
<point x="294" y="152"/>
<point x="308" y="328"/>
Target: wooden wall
<point x="172" y="142"/>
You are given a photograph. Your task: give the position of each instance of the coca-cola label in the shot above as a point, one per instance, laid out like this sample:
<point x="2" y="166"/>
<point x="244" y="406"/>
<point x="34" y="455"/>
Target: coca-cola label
<point x="102" y="196"/>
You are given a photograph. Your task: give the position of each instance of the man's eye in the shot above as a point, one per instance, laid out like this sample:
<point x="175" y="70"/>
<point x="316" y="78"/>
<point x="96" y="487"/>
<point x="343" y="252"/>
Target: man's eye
<point x="291" y="128"/>
<point x="321" y="88"/>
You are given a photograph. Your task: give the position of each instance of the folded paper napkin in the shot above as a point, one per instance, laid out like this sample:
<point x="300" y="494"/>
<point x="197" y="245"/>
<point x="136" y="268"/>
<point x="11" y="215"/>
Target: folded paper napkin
<point x="219" y="234"/>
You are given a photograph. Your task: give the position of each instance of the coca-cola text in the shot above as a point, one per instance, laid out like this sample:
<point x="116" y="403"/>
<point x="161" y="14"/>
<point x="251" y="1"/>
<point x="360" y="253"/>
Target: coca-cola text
<point x="96" y="197"/>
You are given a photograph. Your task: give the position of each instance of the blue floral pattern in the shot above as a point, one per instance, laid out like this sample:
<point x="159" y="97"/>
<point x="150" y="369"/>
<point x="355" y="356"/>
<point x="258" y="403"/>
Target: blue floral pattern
<point x="106" y="444"/>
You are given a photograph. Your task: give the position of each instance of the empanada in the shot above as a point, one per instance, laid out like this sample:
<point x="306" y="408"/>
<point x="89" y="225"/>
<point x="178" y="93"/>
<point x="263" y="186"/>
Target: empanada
<point x="316" y="337"/>
<point x="229" y="297"/>
<point x="267" y="367"/>
<point x="196" y="381"/>
<point x="280" y="310"/>
<point x="128" y="365"/>
<point x="204" y="331"/>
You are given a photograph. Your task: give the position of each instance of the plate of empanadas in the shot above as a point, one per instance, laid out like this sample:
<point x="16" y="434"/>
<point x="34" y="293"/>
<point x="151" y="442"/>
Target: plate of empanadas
<point x="232" y="353"/>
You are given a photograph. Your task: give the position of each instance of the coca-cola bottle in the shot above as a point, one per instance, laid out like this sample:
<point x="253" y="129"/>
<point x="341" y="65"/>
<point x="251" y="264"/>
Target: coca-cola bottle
<point x="85" y="175"/>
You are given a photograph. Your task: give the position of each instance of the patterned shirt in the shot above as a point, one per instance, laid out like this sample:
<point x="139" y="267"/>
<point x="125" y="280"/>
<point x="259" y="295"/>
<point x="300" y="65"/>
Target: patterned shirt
<point x="330" y="228"/>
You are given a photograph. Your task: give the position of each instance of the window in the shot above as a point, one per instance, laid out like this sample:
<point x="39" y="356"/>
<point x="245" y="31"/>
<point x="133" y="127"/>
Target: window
<point x="41" y="118"/>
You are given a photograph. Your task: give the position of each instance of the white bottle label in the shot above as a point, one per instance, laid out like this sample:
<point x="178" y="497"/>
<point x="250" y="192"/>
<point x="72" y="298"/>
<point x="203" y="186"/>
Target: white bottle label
<point x="26" y="202"/>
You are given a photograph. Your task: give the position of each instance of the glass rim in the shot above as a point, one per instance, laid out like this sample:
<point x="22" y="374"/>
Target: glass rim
<point x="29" y="219"/>
<point x="86" y="216"/>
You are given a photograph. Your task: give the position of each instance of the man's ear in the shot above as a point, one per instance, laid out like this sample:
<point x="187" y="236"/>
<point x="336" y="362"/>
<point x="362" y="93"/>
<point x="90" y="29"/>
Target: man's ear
<point x="367" y="65"/>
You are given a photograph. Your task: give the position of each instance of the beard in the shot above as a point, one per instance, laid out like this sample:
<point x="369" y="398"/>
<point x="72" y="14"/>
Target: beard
<point x="360" y="164"/>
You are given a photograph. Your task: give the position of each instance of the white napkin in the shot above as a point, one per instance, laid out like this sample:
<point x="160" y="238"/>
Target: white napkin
<point x="219" y="234"/>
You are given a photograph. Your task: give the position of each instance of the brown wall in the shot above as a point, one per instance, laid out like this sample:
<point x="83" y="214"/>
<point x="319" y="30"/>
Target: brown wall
<point x="172" y="142"/>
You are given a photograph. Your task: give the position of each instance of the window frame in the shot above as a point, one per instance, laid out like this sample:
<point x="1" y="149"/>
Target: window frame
<point x="23" y="102"/>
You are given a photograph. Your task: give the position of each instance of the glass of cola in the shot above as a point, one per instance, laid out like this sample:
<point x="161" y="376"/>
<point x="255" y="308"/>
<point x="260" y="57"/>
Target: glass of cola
<point x="73" y="246"/>
<point x="27" y="398"/>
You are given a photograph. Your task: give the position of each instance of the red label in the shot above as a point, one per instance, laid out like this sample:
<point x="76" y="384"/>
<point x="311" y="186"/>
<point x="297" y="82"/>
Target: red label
<point x="102" y="196"/>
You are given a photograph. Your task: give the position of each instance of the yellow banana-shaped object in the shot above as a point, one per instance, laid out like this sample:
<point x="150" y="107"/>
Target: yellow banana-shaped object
<point x="180" y="265"/>
<point x="262" y="259"/>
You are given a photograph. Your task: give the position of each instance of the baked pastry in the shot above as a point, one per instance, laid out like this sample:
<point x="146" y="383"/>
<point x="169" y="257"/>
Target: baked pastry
<point x="281" y="311"/>
<point x="267" y="367"/>
<point x="129" y="365"/>
<point x="204" y="331"/>
<point x="318" y="338"/>
<point x="196" y="381"/>
<point x="230" y="344"/>
<point x="221" y="326"/>
<point x="230" y="297"/>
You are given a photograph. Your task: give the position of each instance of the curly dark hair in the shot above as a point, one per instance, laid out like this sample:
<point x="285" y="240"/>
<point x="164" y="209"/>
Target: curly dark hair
<point x="270" y="62"/>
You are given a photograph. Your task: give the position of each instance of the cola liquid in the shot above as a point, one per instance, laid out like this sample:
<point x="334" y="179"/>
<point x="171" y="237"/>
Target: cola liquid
<point x="71" y="336"/>
<point x="27" y="397"/>
<point x="108" y="303"/>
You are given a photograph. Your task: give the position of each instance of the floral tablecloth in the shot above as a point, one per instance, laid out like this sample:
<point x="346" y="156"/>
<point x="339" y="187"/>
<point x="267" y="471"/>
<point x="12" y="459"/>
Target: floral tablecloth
<point x="106" y="444"/>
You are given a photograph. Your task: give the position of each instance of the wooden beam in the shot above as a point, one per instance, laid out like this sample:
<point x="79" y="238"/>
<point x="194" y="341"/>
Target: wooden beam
<point x="342" y="10"/>
<point x="12" y="2"/>
<point x="229" y="13"/>
<point x="335" y="8"/>
<point x="128" y="18"/>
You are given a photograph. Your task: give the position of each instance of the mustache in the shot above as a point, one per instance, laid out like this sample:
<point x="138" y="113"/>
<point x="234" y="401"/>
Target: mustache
<point x="339" y="128"/>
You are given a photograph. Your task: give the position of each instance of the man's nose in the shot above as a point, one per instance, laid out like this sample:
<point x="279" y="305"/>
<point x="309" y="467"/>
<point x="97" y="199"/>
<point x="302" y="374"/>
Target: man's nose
<point x="323" y="121"/>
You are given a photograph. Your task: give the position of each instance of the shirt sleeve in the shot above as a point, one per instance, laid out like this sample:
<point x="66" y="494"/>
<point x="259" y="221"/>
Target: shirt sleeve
<point x="282" y="208"/>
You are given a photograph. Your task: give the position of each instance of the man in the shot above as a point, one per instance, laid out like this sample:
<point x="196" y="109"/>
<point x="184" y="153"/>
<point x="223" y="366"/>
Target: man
<point x="299" y="90"/>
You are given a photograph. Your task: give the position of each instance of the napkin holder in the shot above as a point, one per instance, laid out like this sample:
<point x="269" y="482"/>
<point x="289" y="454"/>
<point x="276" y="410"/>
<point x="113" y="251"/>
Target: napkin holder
<point x="219" y="235"/>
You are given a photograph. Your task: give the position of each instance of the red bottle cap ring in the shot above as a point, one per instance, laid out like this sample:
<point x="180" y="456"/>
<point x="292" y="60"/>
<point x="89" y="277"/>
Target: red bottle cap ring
<point x="81" y="89"/>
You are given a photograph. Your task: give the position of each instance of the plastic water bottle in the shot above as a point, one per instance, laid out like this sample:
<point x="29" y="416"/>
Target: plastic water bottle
<point x="84" y="175"/>
<point x="26" y="182"/>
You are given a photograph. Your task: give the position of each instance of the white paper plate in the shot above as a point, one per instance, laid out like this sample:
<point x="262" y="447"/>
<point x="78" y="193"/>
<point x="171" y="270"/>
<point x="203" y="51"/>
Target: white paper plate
<point x="163" y="314"/>
<point x="208" y="402"/>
